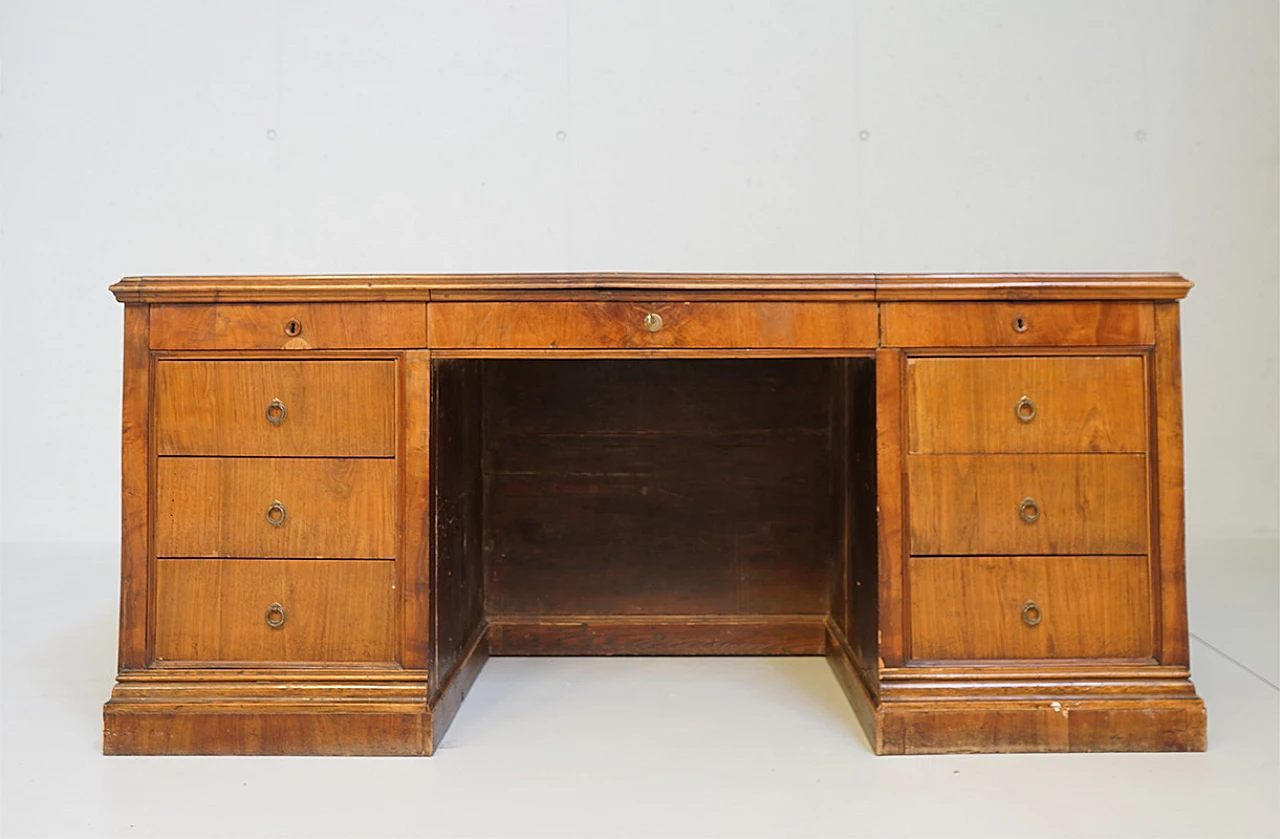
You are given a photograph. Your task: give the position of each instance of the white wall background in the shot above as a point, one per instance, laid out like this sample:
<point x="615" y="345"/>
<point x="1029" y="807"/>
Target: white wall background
<point x="293" y="136"/>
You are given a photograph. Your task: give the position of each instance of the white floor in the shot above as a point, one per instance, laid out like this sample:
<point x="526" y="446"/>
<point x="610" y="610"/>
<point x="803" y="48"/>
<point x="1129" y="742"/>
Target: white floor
<point x="735" y="747"/>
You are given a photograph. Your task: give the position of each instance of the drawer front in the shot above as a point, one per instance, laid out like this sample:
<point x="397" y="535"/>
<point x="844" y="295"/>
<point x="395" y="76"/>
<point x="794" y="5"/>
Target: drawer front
<point x="1028" y="504"/>
<point x="275" y="507"/>
<point x="652" y="325"/>
<point x="288" y="326"/>
<point x="277" y="408"/>
<point x="998" y="324"/>
<point x="991" y="607"/>
<point x="1027" y="404"/>
<point x="224" y="610"/>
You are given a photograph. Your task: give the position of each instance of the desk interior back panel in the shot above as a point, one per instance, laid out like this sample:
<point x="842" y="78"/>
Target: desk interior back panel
<point x="676" y="487"/>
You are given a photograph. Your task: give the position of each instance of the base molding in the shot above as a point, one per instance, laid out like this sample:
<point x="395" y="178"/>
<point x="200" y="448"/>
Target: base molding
<point x="1040" y="725"/>
<point x="1142" y="709"/>
<point x="390" y="712"/>
<point x="279" y="712"/>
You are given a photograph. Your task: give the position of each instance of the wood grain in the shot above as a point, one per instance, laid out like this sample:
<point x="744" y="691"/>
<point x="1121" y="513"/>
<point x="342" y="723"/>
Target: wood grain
<point x="992" y="324"/>
<point x="458" y="492"/>
<point x="969" y="504"/>
<point x="621" y="324"/>
<point x="657" y="487"/>
<point x="691" y="634"/>
<point x="891" y="508"/>
<point x="216" y="610"/>
<point x="1170" y="534"/>
<point x="1039" y="286"/>
<point x="971" y="607"/>
<point x="217" y="507"/>
<point x="135" y="489"/>
<point x="862" y="579"/>
<point x="289" y="326"/>
<point x="319" y="730"/>
<point x="415" y="556"/>
<point x="421" y="287"/>
<point x="1041" y="725"/>
<point x="333" y="408"/>
<point x="968" y="405"/>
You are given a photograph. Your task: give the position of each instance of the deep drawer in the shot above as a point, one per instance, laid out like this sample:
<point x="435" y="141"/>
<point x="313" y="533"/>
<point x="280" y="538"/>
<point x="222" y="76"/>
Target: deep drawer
<point x="284" y="408"/>
<point x="275" y="507"/>
<point x="992" y="607"/>
<point x="628" y="325"/>
<point x="288" y="326"/>
<point x="264" y="611"/>
<point x="1036" y="404"/>
<point x="999" y="324"/>
<point x="1028" y="504"/>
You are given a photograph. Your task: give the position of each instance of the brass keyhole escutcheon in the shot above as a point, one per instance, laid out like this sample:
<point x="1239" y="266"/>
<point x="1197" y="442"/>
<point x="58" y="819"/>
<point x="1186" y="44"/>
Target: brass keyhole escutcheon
<point x="275" y="615"/>
<point x="276" y="412"/>
<point x="293" y="328"/>
<point x="276" y="514"/>
<point x="653" y="321"/>
<point x="1029" y="510"/>
<point x="1025" y="409"/>
<point x="1031" y="613"/>
<point x="1019" y="323"/>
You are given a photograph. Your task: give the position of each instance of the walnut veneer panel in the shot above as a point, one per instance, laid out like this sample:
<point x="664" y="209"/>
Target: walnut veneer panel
<point x="288" y="326"/>
<point x="275" y="507"/>
<point x="987" y="607"/>
<point x="1027" y="404"/>
<point x="217" y="610"/>
<point x="747" y="325"/>
<point x="1082" y="504"/>
<point x="1021" y="324"/>
<point x="331" y="408"/>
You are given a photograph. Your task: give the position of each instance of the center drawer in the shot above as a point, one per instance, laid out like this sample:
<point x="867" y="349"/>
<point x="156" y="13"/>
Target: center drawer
<point x="263" y="611"/>
<point x="659" y="325"/>
<point x="275" y="507"/>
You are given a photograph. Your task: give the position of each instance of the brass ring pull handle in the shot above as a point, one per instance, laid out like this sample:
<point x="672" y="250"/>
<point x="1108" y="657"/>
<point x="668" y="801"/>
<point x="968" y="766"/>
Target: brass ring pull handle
<point x="276" y="514"/>
<point x="275" y="615"/>
<point x="1025" y="409"/>
<point x="1020" y="323"/>
<point x="1029" y="510"/>
<point x="653" y="321"/>
<point x="1031" y="613"/>
<point x="276" y="412"/>
<point x="293" y="328"/>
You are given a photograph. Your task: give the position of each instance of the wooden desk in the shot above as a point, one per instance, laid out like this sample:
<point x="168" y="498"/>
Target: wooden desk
<point x="341" y="495"/>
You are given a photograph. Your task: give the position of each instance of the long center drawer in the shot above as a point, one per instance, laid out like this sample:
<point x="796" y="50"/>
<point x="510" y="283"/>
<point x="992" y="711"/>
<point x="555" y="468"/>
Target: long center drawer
<point x="658" y="325"/>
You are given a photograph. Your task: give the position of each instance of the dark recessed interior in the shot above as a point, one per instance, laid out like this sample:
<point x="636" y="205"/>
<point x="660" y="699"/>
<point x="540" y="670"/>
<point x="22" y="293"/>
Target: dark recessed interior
<point x="569" y="490"/>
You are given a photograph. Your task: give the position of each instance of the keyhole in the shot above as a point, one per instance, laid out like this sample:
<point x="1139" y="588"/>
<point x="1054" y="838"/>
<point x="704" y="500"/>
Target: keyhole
<point x="1019" y="324"/>
<point x="293" y="328"/>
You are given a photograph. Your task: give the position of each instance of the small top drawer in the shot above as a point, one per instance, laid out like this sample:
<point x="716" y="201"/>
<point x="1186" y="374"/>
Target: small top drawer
<point x="288" y="326"/>
<point x="1012" y="324"/>
<point x="630" y="325"/>
<point x="276" y="408"/>
<point x="1032" y="404"/>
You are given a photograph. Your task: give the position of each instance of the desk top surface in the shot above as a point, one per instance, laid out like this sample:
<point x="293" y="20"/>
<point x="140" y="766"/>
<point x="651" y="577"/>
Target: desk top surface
<point x="646" y="286"/>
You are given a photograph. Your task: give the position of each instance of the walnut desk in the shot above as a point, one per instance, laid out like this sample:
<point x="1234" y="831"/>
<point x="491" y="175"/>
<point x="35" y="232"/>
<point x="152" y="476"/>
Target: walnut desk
<point x="341" y="495"/>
